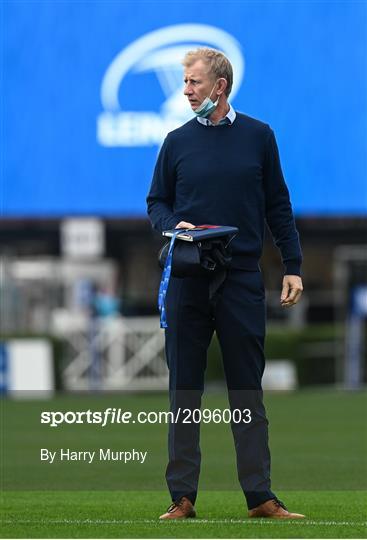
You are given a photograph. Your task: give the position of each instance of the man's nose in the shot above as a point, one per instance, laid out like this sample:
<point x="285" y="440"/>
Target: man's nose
<point x="187" y="90"/>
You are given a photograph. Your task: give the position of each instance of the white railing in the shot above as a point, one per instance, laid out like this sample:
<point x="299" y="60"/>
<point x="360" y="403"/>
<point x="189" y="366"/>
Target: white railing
<point x="112" y="354"/>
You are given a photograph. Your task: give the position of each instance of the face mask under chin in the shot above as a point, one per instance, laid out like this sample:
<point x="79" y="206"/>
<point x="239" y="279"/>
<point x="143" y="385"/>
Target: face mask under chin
<point x="207" y="107"/>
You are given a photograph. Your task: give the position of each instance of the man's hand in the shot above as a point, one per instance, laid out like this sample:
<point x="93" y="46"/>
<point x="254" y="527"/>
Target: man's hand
<point x="184" y="225"/>
<point x="291" y="291"/>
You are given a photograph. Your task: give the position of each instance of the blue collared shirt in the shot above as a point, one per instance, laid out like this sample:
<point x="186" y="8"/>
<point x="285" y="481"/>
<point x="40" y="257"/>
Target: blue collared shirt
<point x="228" y="119"/>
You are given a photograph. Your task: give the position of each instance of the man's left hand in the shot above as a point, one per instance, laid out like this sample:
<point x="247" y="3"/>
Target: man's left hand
<point x="291" y="291"/>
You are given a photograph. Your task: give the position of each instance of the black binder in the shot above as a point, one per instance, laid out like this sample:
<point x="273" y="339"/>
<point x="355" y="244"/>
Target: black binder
<point x="203" y="232"/>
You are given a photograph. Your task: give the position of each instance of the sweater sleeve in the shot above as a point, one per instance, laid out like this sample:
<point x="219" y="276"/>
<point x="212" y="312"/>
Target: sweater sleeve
<point x="278" y="210"/>
<point x="161" y="195"/>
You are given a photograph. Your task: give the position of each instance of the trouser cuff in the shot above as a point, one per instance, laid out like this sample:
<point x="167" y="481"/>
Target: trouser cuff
<point x="255" y="498"/>
<point x="176" y="496"/>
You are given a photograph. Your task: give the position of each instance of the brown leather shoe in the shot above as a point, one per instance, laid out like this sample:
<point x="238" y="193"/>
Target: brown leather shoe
<point x="274" y="509"/>
<point x="181" y="509"/>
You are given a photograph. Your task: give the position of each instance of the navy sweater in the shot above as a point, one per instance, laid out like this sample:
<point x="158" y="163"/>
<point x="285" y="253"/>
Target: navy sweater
<point x="226" y="175"/>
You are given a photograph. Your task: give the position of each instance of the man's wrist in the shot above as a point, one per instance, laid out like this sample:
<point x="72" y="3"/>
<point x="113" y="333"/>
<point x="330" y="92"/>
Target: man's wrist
<point x="292" y="268"/>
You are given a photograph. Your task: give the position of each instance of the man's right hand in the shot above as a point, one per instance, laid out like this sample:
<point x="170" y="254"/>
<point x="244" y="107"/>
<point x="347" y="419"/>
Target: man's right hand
<point x="184" y="225"/>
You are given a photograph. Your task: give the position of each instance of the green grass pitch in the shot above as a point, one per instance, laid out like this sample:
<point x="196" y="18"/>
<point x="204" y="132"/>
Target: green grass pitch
<point x="318" y="441"/>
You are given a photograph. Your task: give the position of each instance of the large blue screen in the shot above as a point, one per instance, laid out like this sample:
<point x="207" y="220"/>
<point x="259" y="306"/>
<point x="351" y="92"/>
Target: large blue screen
<point x="90" y="89"/>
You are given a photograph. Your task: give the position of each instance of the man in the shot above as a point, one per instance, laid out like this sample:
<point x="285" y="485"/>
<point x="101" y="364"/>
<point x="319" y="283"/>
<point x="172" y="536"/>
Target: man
<point x="222" y="168"/>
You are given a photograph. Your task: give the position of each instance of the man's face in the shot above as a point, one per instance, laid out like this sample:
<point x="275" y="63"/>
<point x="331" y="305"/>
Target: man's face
<point x="198" y="84"/>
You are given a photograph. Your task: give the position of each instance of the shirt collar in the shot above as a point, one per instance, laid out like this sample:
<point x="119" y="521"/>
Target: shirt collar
<point x="228" y="119"/>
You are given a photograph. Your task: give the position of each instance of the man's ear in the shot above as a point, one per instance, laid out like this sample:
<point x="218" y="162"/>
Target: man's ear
<point x="222" y="85"/>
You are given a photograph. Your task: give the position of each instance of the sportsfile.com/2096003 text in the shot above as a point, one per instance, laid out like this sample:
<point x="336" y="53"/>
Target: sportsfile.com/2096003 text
<point x="113" y="415"/>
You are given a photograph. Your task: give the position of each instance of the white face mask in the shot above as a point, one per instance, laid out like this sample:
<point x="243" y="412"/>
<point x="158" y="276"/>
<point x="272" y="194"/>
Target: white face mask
<point x="207" y="107"/>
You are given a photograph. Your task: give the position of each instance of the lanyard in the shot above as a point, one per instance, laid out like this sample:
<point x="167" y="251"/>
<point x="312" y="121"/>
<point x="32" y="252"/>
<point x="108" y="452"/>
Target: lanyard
<point x="166" y="274"/>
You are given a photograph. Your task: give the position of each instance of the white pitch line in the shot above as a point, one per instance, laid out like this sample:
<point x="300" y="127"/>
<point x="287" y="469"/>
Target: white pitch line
<point x="185" y="522"/>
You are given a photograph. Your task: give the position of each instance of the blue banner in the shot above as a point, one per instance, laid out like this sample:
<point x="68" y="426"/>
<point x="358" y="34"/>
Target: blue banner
<point x="90" y="90"/>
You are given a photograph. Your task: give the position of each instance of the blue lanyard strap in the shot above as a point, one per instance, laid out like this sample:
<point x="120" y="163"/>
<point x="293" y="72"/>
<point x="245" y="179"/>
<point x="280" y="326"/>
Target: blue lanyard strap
<point x="166" y="274"/>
